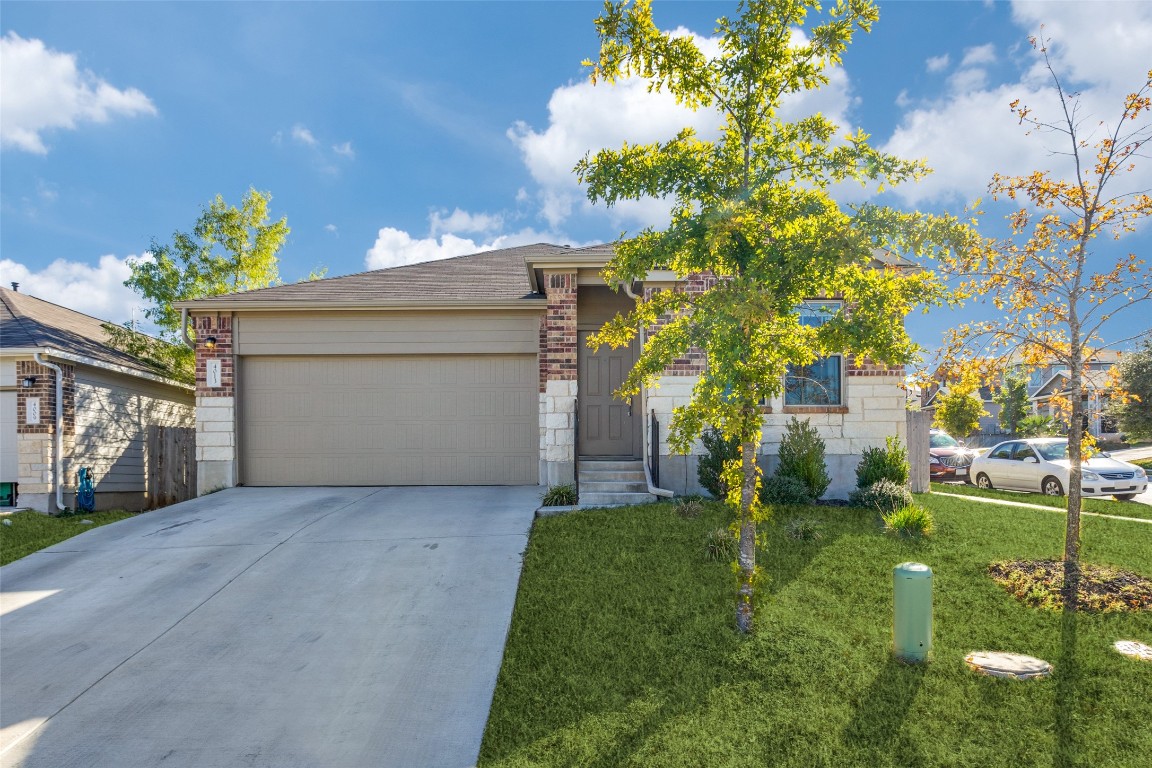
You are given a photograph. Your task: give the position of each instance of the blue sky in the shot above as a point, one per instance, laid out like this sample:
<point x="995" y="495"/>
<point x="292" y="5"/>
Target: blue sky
<point x="396" y="132"/>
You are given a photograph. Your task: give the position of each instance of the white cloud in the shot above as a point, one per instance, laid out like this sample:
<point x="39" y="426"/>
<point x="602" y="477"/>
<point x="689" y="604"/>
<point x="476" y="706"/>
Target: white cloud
<point x="971" y="132"/>
<point x="937" y="63"/>
<point x="332" y="228"/>
<point x="462" y="221"/>
<point x="97" y="290"/>
<point x="395" y="247"/>
<point x="44" y="90"/>
<point x="344" y="150"/>
<point x="583" y="119"/>
<point x="981" y="54"/>
<point x="302" y="135"/>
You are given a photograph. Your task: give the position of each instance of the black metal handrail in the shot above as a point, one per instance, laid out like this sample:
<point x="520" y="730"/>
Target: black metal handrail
<point x="654" y="449"/>
<point x="576" y="448"/>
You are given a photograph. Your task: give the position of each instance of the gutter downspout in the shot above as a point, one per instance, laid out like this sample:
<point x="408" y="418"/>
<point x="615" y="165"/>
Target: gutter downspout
<point x="184" y="328"/>
<point x="652" y="489"/>
<point x="58" y="460"/>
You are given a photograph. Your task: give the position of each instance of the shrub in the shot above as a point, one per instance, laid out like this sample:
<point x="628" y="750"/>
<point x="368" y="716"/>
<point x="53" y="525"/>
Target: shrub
<point x="804" y="529"/>
<point x="887" y="463"/>
<point x="802" y="457"/>
<point x="721" y="545"/>
<point x="912" y="520"/>
<point x="560" y="496"/>
<point x="1036" y="426"/>
<point x="689" y="506"/>
<point x="884" y="496"/>
<point x="784" y="489"/>
<point x="710" y="470"/>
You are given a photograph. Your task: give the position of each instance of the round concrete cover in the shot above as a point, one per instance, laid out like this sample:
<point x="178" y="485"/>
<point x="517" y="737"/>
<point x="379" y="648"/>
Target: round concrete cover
<point x="1011" y="665"/>
<point x="1134" y="649"/>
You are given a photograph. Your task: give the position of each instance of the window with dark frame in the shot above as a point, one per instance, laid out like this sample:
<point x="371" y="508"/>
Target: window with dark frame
<point x="821" y="381"/>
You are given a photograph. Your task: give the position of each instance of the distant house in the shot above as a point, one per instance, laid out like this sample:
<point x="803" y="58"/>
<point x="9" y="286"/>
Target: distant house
<point x="109" y="404"/>
<point x="1043" y="383"/>
<point x="475" y="370"/>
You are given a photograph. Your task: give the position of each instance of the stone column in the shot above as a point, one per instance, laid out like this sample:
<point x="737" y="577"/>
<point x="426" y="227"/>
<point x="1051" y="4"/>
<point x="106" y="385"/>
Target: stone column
<point x="558" y="385"/>
<point x="215" y="404"/>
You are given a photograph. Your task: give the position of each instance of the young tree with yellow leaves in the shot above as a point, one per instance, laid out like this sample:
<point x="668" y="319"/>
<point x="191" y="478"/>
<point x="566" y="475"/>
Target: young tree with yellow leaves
<point x="752" y="207"/>
<point x="1046" y="277"/>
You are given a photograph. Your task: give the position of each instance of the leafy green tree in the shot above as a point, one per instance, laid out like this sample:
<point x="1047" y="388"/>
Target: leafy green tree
<point x="959" y="412"/>
<point x="1037" y="426"/>
<point x="229" y="249"/>
<point x="1012" y="397"/>
<point x="752" y="207"/>
<point x="1133" y="407"/>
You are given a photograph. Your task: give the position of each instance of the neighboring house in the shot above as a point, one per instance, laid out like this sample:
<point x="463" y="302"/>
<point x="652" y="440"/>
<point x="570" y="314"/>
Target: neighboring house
<point x="474" y="370"/>
<point x="109" y="402"/>
<point x="1044" y="382"/>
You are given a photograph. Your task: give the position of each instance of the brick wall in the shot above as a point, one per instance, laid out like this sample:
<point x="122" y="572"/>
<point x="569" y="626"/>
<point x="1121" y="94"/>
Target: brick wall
<point x="219" y="326"/>
<point x="45" y="389"/>
<point x="558" y="329"/>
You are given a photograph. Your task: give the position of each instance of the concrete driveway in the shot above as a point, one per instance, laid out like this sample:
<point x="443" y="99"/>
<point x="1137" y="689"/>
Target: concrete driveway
<point x="318" y="627"/>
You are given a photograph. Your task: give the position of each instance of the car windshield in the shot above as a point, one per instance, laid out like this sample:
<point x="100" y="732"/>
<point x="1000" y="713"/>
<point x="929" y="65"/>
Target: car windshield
<point x="943" y="440"/>
<point x="1052" y="451"/>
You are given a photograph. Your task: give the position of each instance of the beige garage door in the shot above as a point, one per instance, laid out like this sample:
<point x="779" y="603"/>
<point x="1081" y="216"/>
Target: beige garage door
<point x="389" y="420"/>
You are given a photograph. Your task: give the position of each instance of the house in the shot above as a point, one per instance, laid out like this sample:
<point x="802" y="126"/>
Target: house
<point x="69" y="400"/>
<point x="1044" y="382"/>
<point x="474" y="370"/>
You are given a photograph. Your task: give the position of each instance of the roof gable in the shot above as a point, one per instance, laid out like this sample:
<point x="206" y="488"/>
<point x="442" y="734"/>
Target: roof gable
<point x="27" y="322"/>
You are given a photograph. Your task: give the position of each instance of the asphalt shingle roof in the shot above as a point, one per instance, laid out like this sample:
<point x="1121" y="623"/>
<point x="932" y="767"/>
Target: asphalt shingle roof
<point x="490" y="276"/>
<point x="29" y="322"/>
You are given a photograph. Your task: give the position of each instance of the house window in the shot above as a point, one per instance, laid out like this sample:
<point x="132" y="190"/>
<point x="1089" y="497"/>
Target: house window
<point x="821" y="381"/>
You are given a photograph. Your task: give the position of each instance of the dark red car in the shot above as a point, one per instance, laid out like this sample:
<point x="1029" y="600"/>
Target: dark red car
<point x="948" y="458"/>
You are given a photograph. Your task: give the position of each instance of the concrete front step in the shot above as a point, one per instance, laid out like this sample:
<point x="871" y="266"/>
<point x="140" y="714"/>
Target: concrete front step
<point x="596" y="476"/>
<point x="614" y="499"/>
<point x="600" y="486"/>
<point x="611" y="465"/>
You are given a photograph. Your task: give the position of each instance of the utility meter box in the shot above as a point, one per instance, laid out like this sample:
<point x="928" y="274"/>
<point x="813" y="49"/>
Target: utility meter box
<point x="912" y="608"/>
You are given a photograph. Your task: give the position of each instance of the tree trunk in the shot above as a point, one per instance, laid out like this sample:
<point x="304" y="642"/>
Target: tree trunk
<point x="747" y="555"/>
<point x="1075" y="458"/>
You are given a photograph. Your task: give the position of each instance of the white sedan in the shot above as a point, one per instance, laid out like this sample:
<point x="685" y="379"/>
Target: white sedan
<point x="1041" y="465"/>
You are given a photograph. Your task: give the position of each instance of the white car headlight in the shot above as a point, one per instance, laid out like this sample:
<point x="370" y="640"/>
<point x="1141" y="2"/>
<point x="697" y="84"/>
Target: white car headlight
<point x="1086" y="475"/>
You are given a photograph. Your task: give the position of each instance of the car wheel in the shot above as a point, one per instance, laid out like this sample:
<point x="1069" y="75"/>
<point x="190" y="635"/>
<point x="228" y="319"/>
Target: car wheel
<point x="1124" y="496"/>
<point x="1051" y="487"/>
<point x="983" y="481"/>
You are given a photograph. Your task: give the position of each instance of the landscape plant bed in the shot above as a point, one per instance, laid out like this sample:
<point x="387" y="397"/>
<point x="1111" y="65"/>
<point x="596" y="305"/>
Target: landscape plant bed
<point x="623" y="652"/>
<point x="31" y="531"/>
<point x="1096" y="506"/>
<point x="1040" y="583"/>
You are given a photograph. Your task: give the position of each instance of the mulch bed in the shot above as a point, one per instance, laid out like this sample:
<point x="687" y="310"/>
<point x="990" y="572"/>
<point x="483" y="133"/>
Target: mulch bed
<point x="1040" y="583"/>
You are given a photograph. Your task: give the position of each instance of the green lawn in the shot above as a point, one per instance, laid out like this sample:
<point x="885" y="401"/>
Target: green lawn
<point x="622" y="650"/>
<point x="1099" y="506"/>
<point x="31" y="531"/>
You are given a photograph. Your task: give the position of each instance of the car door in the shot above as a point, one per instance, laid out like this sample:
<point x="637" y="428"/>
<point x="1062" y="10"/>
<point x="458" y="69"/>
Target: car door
<point x="998" y="465"/>
<point x="1028" y="470"/>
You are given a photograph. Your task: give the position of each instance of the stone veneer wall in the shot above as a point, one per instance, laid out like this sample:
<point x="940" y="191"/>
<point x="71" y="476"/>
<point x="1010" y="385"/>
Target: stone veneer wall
<point x="558" y="369"/>
<point x="215" y="406"/>
<point x="873" y="408"/>
<point x="34" y="442"/>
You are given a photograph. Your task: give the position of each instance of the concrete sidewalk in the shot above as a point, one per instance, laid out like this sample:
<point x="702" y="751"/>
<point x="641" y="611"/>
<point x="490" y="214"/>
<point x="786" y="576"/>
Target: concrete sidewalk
<point x="279" y="627"/>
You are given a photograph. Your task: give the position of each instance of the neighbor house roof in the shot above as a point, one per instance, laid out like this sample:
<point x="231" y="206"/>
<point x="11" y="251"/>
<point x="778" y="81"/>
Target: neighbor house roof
<point x="34" y="325"/>
<point x="1057" y="383"/>
<point x="491" y="277"/>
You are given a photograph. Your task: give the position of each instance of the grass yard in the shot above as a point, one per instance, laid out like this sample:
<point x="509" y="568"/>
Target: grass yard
<point x="1099" y="506"/>
<point x="623" y="652"/>
<point x="31" y="531"/>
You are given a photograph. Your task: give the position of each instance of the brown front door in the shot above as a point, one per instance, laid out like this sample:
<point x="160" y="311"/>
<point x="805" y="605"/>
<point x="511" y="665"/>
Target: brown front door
<point x="608" y="426"/>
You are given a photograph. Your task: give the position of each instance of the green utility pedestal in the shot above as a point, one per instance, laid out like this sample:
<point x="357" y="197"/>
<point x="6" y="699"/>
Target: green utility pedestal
<point x="912" y="600"/>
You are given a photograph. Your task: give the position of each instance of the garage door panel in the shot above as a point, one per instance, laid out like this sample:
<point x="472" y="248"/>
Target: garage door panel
<point x="452" y="420"/>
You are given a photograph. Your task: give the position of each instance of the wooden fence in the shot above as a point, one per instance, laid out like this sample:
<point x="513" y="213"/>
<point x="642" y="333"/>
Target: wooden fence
<point x="171" y="465"/>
